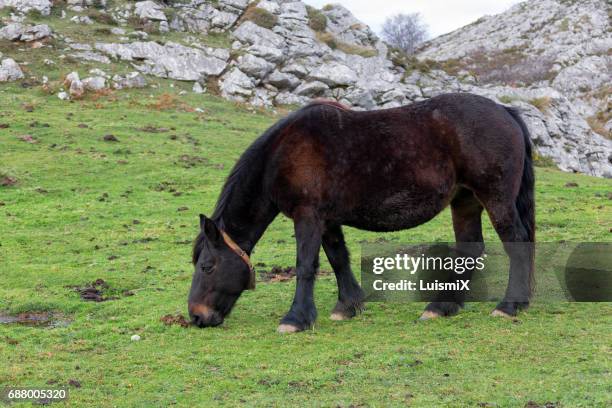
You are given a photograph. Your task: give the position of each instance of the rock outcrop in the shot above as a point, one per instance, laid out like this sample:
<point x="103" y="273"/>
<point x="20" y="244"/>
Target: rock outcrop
<point x="22" y="32"/>
<point x="9" y="70"/>
<point x="549" y="57"/>
<point x="25" y="6"/>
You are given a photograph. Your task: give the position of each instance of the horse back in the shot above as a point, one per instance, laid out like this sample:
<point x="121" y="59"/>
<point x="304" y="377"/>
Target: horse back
<point x="388" y="169"/>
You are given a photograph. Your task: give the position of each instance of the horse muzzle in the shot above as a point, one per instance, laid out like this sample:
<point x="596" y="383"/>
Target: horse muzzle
<point x="204" y="316"/>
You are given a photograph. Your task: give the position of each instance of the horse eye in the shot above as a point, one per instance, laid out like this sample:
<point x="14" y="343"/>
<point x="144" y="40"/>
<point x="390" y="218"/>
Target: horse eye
<point x="207" y="269"/>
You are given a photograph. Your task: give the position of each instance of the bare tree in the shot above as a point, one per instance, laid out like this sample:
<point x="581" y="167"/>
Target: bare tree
<point x="405" y="31"/>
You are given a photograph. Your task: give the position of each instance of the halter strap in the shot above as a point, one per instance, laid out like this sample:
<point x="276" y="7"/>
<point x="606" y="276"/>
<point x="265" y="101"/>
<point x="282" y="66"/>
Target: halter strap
<point x="243" y="255"/>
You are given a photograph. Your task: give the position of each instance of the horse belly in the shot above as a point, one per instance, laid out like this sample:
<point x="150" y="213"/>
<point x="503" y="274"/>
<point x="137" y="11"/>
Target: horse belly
<point x="399" y="210"/>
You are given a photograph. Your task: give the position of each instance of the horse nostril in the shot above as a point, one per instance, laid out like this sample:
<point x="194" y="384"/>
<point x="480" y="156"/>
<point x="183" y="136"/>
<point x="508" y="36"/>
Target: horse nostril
<point x="206" y="321"/>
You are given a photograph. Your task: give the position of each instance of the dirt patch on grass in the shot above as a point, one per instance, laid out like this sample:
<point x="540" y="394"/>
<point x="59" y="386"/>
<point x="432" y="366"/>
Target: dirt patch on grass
<point x="283" y="274"/>
<point x="153" y="129"/>
<point x="188" y="161"/>
<point x="99" y="291"/>
<point x="177" y="319"/>
<point x="110" y="138"/>
<point x="533" y="404"/>
<point x="7" y="181"/>
<point x="278" y="274"/>
<point x="35" y="319"/>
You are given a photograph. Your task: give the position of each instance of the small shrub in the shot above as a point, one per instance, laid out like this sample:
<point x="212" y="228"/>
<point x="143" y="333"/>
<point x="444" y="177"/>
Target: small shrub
<point x="7" y="179"/>
<point x="170" y="13"/>
<point x="10" y="10"/>
<point x="542" y="104"/>
<point x="316" y="19"/>
<point x="452" y="66"/>
<point x="564" y="25"/>
<point x="150" y="27"/>
<point x="329" y="39"/>
<point x="365" y="52"/>
<point x="98" y="4"/>
<point x="542" y="161"/>
<point x="509" y="67"/>
<point x="335" y="44"/>
<point x="598" y="122"/>
<point x="35" y="15"/>
<point x="102" y="17"/>
<point x="411" y="63"/>
<point x="506" y="99"/>
<point x="135" y="22"/>
<point x="57" y="7"/>
<point x="103" y="31"/>
<point x="212" y="85"/>
<point x="328" y="7"/>
<point x="259" y="16"/>
<point x="168" y="101"/>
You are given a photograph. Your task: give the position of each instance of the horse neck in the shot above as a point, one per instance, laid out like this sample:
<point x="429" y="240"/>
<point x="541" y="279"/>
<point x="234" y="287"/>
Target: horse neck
<point x="245" y="219"/>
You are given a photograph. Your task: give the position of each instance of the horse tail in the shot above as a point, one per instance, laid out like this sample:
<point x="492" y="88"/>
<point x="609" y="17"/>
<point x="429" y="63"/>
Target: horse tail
<point x="525" y="201"/>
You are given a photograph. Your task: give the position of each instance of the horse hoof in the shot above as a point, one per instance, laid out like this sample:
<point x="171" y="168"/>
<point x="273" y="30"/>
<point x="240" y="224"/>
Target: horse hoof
<point x="499" y="313"/>
<point x="287" y="328"/>
<point x="337" y="316"/>
<point x="428" y="314"/>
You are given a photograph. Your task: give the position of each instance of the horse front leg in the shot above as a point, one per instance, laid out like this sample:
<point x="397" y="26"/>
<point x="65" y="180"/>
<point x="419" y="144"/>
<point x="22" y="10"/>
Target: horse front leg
<point x="303" y="313"/>
<point x="350" y="295"/>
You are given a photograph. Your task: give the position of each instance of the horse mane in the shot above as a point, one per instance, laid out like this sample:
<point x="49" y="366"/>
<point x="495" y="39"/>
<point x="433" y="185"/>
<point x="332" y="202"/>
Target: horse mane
<point x="251" y="164"/>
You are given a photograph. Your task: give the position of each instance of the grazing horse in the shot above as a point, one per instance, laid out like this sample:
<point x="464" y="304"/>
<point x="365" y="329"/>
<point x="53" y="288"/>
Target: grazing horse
<point x="325" y="166"/>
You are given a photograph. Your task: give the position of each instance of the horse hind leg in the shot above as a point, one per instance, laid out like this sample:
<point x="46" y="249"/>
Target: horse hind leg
<point x="466" y="213"/>
<point x="520" y="248"/>
<point x="350" y="295"/>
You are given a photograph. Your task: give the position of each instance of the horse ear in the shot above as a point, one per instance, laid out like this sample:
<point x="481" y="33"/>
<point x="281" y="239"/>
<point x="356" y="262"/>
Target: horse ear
<point x="210" y="229"/>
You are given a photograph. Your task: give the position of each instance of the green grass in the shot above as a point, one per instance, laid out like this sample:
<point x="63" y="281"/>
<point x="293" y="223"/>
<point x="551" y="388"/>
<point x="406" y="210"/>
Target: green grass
<point x="58" y="229"/>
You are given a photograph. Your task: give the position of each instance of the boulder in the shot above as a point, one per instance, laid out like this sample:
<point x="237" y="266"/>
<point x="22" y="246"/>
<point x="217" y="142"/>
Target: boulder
<point x="334" y="74"/>
<point x="117" y="31"/>
<point x="294" y="10"/>
<point x="171" y="60"/>
<point x="262" y="98"/>
<point x="95" y="83"/>
<point x="10" y="70"/>
<point x="77" y="89"/>
<point x="254" y="66"/>
<point x="236" y="85"/>
<point x="312" y="89"/>
<point x="131" y="80"/>
<point x="271" y="54"/>
<point x="270" y="6"/>
<point x="235" y="6"/>
<point x="98" y="72"/>
<point x="299" y="70"/>
<point x="197" y="88"/>
<point x="25" y="6"/>
<point x="149" y="10"/>
<point x="288" y="98"/>
<point x="347" y="28"/>
<point x="21" y="32"/>
<point x="82" y="20"/>
<point x="283" y="80"/>
<point x="91" y="56"/>
<point x="70" y="78"/>
<point x="250" y="33"/>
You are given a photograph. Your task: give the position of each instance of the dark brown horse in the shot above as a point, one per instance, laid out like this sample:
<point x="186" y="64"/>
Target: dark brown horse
<point x="325" y="166"/>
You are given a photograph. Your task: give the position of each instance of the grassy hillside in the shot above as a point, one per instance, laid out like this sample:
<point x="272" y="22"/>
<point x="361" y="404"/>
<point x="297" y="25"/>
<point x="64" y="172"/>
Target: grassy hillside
<point x="81" y="208"/>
